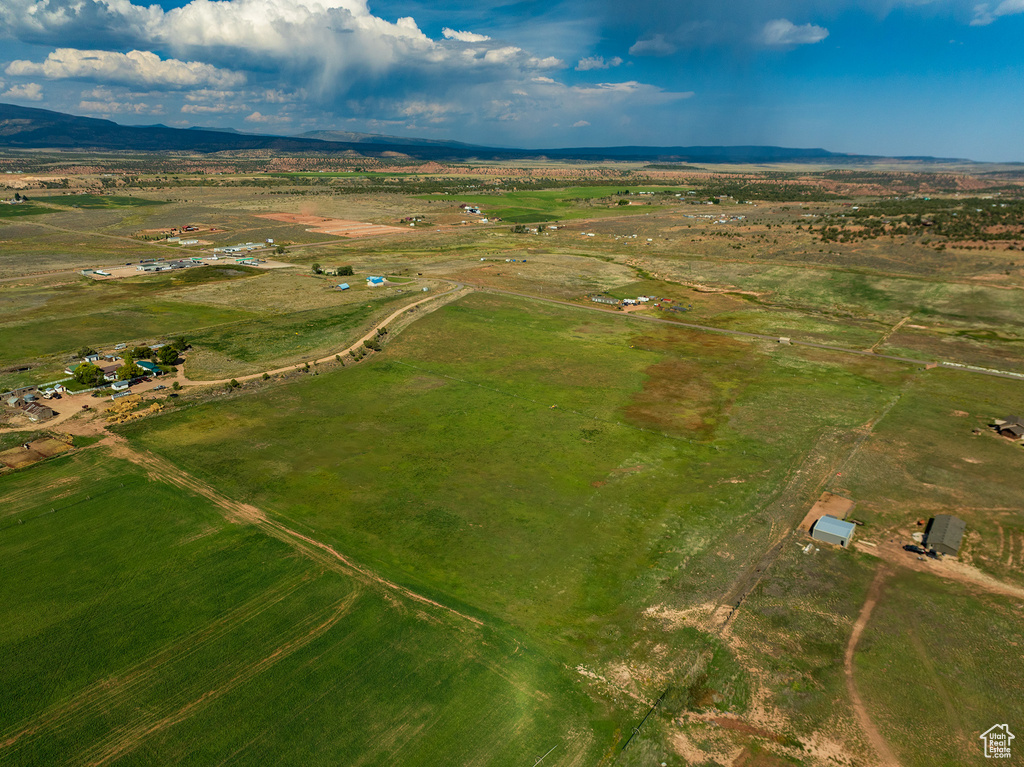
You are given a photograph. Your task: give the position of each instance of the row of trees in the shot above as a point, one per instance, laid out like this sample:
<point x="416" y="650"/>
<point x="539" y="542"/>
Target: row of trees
<point x="341" y="271"/>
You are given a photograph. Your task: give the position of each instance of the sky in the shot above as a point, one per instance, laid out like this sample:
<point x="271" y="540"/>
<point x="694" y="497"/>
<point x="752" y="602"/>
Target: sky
<point x="942" y="78"/>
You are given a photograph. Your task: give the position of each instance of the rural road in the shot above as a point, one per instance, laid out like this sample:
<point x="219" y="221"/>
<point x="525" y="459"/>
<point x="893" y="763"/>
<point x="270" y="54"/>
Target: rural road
<point x="885" y="755"/>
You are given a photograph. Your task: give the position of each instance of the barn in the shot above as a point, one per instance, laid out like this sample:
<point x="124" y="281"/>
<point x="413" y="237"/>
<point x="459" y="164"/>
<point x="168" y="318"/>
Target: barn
<point x="944" y="534"/>
<point x="832" y="530"/>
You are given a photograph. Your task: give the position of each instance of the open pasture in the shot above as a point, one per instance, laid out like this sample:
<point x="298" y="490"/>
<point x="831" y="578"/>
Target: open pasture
<point x="526" y="207"/>
<point x="937" y="666"/>
<point x="551" y="470"/>
<point x="139" y="625"/>
<point x="98" y="201"/>
<point x="925" y="459"/>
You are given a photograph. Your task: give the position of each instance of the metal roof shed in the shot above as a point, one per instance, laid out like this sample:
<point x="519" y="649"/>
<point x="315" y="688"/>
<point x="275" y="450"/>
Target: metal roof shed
<point x="832" y="530"/>
<point x="944" y="534"/>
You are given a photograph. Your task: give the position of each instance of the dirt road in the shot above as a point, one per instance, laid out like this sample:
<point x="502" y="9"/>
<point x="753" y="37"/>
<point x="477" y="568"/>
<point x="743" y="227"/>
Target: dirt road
<point x="885" y="755"/>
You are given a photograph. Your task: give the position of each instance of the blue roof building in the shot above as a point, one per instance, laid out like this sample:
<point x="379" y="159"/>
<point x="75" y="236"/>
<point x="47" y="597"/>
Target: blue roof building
<point x="149" y="367"/>
<point x="375" y="281"/>
<point x="344" y="286"/>
<point x="832" y="530"/>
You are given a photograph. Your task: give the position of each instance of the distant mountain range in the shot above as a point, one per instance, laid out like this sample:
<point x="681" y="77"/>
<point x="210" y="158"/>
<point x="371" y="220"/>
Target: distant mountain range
<point x="30" y="128"/>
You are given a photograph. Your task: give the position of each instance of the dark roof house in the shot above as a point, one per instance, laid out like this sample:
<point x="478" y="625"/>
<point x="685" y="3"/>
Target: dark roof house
<point x="1014" y="431"/>
<point x="944" y="533"/>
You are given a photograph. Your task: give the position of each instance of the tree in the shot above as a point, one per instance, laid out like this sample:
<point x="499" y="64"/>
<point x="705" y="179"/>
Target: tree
<point x="279" y="250"/>
<point x="129" y="370"/>
<point x="317" y="269"/>
<point x="141" y="353"/>
<point x="88" y="374"/>
<point x="344" y="271"/>
<point x="266" y="376"/>
<point x="85" y="351"/>
<point x="175" y="386"/>
<point x="167" y="355"/>
<point x="180" y="344"/>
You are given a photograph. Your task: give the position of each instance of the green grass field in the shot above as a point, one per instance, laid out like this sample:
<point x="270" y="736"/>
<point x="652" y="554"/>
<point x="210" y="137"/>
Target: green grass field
<point x="21" y="209"/>
<point x="528" y="207"/>
<point x="924" y="459"/>
<point x="139" y="626"/>
<point x="98" y="202"/>
<point x="937" y="666"/>
<point x="551" y="471"/>
<point x="255" y="345"/>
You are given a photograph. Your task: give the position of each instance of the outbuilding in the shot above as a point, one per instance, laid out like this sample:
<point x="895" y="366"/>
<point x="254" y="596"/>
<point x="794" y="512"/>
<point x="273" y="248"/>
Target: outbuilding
<point x="832" y="530"/>
<point x="344" y="286"/>
<point x="120" y="385"/>
<point x="944" y="534"/>
<point x="374" y="281"/>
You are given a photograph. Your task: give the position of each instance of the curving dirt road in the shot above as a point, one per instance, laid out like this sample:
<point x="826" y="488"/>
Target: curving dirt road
<point x="885" y="755"/>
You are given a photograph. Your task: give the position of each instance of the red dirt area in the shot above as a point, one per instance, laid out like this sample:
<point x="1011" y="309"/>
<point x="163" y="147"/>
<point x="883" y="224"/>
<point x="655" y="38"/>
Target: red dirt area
<point x="337" y="226"/>
<point x="829" y="503"/>
<point x="33" y="452"/>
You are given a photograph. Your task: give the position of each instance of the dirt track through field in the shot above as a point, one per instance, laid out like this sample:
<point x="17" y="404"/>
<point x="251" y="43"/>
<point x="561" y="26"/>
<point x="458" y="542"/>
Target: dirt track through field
<point x="108" y="692"/>
<point x="885" y="755"/>
<point x="163" y="470"/>
<point x="126" y="739"/>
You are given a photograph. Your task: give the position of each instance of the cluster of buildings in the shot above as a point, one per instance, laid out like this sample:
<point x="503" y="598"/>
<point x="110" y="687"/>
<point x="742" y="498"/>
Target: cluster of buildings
<point x="30" y="405"/>
<point x="111" y="362"/>
<point x="168" y="266"/>
<point x="244" y="247"/>
<point x="828" y="522"/>
<point x="653" y="301"/>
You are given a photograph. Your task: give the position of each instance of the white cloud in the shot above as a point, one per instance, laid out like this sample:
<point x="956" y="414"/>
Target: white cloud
<point x="26" y="92"/>
<point x="465" y="37"/>
<point x="107" y="101"/>
<point x="256" y="117"/>
<point x="134" y="68"/>
<point x="782" y="33"/>
<point x="206" y="109"/>
<point x="597" y="62"/>
<point x="581" y="124"/>
<point x="984" y="14"/>
<point x="658" y="45"/>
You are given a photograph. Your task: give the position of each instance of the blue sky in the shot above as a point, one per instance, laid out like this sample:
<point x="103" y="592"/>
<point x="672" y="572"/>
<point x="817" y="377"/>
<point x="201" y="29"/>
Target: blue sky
<point x="891" y="77"/>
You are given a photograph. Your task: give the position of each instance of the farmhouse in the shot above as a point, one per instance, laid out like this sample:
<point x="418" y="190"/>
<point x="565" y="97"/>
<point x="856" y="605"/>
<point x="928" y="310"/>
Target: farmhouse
<point x="149" y="367"/>
<point x="945" y="533"/>
<point x="832" y="530"/>
<point x="374" y="282"/>
<point x="1012" y="426"/>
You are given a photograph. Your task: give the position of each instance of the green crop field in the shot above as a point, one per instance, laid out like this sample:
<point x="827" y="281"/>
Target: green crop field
<point x="98" y="202"/>
<point x="21" y="209"/>
<point x="137" y="624"/>
<point x="551" y="204"/>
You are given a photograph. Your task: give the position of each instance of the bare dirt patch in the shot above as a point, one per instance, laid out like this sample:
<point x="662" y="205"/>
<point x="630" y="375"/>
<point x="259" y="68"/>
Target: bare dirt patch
<point x="829" y="503"/>
<point x="337" y="227"/>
